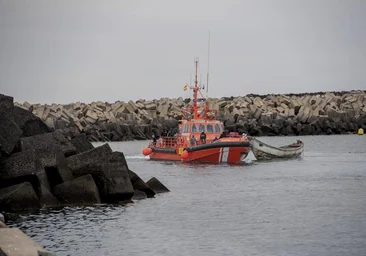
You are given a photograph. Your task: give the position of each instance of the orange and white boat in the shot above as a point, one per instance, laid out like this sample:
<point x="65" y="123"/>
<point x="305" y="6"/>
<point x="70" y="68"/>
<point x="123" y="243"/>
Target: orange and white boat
<point x="186" y="145"/>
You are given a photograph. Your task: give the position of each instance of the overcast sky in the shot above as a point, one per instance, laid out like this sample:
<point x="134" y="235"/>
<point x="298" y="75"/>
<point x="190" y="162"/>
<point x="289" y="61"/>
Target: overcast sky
<point x="72" y="50"/>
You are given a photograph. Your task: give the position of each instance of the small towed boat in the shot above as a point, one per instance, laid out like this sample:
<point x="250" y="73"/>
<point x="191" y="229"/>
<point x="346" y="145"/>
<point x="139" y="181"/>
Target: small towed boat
<point x="263" y="151"/>
<point x="188" y="145"/>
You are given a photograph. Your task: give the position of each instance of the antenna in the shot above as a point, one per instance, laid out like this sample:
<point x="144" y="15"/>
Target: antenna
<point x="208" y="62"/>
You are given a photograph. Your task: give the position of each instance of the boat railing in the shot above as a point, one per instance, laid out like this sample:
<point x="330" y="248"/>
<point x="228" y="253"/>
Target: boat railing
<point x="234" y="135"/>
<point x="168" y="142"/>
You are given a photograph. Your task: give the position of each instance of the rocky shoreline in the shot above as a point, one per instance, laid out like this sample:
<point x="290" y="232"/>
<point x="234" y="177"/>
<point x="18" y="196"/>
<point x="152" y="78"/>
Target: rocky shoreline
<point x="257" y="115"/>
<point x="42" y="167"/>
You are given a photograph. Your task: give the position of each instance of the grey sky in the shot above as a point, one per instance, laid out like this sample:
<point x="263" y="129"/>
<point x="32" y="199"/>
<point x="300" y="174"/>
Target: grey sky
<point x="68" y="51"/>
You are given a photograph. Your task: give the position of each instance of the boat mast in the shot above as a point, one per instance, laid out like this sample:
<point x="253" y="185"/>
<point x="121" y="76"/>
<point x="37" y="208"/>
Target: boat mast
<point x="208" y="62"/>
<point x="195" y="91"/>
<point x="208" y="70"/>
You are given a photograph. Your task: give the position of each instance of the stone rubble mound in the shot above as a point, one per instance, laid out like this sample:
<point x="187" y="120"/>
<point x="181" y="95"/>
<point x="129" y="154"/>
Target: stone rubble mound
<point x="257" y="115"/>
<point x="44" y="167"/>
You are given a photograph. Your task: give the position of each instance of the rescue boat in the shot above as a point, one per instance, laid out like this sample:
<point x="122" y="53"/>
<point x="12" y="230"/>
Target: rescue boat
<point x="187" y="146"/>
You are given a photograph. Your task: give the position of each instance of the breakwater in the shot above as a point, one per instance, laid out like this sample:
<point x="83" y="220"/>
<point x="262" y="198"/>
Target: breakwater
<point x="257" y="115"/>
<point x="41" y="168"/>
<point x="44" y="168"/>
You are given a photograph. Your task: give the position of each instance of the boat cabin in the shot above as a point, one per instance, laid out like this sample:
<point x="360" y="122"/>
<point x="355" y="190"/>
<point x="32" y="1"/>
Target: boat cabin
<point x="213" y="129"/>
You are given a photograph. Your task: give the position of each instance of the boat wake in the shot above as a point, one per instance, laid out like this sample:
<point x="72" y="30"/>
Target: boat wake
<point x="249" y="159"/>
<point x="137" y="157"/>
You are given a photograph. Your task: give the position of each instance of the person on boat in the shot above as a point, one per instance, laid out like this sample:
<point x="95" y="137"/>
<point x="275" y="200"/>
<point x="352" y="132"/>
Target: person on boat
<point x="154" y="139"/>
<point x="173" y="132"/>
<point x="224" y="134"/>
<point x="163" y="133"/>
<point x="193" y="141"/>
<point x="203" y="137"/>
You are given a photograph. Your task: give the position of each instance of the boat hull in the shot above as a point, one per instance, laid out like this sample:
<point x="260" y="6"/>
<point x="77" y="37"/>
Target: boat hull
<point x="264" y="151"/>
<point x="162" y="156"/>
<point x="231" y="155"/>
<point x="219" y="152"/>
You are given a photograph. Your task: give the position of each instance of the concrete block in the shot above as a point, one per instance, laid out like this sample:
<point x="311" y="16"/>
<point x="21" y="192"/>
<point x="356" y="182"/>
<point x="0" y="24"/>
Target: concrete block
<point x="82" y="162"/>
<point x="90" y="120"/>
<point x="139" y="195"/>
<point x="129" y="108"/>
<point x="117" y="184"/>
<point x="21" y="167"/>
<point x="133" y="105"/>
<point x="164" y="111"/>
<point x="139" y="184"/>
<point x="46" y="141"/>
<point x="14" y="242"/>
<point x="19" y="197"/>
<point x="157" y="186"/>
<point x="81" y="191"/>
<point x="46" y="199"/>
<point x="150" y="105"/>
<point x="81" y="143"/>
<point x="258" y="102"/>
<point x="91" y="114"/>
<point x="10" y="133"/>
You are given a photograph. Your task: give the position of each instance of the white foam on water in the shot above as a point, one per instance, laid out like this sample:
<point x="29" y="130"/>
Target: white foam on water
<point x="137" y="157"/>
<point x="250" y="158"/>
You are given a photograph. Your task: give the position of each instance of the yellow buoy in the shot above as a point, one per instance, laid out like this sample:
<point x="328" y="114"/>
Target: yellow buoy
<point x="360" y="131"/>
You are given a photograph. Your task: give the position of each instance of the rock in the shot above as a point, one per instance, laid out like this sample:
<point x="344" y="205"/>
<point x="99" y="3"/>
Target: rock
<point x="58" y="171"/>
<point x="139" y="195"/>
<point x="265" y="129"/>
<point x="47" y="199"/>
<point x="303" y="114"/>
<point x="29" y="123"/>
<point x="156" y="185"/>
<point x="267" y="118"/>
<point x="109" y="170"/>
<point x="171" y="123"/>
<point x="6" y="102"/>
<point x="14" y="242"/>
<point x="42" y="142"/>
<point x="117" y="185"/>
<point x="139" y="184"/>
<point x="88" y="160"/>
<point x="80" y="191"/>
<point x="22" y="167"/>
<point x="118" y="157"/>
<point x="81" y="143"/>
<point x="19" y="197"/>
<point x="51" y="157"/>
<point x="10" y="133"/>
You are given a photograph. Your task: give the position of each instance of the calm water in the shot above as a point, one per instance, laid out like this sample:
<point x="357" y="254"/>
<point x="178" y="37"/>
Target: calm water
<point x="312" y="206"/>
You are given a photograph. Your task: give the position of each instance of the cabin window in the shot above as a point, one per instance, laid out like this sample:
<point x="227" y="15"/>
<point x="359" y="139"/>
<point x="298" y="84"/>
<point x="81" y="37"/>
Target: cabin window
<point x="194" y="128"/>
<point x="201" y="128"/>
<point x="186" y="128"/>
<point x="217" y="128"/>
<point x="209" y="128"/>
<point x="222" y="127"/>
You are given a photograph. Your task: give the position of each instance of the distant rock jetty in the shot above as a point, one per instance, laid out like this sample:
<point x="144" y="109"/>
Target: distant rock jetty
<point x="256" y="115"/>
